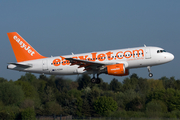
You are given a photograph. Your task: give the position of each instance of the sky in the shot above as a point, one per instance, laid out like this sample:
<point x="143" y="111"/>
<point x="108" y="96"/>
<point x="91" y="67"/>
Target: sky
<point x="60" y="27"/>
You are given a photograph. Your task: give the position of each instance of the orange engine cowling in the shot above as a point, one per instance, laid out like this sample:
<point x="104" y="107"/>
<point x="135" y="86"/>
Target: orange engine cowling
<point x="117" y="70"/>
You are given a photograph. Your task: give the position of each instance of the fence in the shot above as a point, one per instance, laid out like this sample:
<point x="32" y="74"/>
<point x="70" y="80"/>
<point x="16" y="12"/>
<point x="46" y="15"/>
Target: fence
<point x="96" y="118"/>
<point x="54" y="117"/>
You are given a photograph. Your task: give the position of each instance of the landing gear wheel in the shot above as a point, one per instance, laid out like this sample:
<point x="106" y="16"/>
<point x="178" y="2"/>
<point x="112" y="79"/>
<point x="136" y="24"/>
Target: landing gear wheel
<point x="93" y="80"/>
<point x="150" y="74"/>
<point x="98" y="81"/>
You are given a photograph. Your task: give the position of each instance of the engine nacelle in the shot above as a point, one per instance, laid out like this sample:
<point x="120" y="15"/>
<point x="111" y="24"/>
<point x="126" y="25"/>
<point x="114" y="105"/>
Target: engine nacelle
<point x="117" y="70"/>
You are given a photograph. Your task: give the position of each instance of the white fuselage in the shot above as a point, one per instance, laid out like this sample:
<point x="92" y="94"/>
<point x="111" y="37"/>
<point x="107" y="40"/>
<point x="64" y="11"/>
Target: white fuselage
<point x="130" y="57"/>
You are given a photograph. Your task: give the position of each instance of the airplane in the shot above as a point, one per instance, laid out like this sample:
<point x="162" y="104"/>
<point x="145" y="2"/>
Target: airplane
<point x="112" y="62"/>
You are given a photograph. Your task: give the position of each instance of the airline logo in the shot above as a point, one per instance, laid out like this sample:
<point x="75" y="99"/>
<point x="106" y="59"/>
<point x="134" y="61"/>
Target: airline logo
<point x="128" y="55"/>
<point x="23" y="45"/>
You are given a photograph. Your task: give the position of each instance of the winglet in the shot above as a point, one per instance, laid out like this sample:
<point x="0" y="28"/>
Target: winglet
<point x="23" y="50"/>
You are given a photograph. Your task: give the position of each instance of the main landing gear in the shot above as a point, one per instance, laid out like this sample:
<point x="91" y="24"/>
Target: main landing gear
<point x="149" y="70"/>
<point x="96" y="80"/>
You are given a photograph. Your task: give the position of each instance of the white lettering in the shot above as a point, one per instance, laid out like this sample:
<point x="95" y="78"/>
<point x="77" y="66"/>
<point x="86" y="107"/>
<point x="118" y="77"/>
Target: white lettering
<point x="23" y="45"/>
<point x="27" y="48"/>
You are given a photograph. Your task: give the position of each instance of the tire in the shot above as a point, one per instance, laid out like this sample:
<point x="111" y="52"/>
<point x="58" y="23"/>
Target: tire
<point x="150" y="74"/>
<point x="98" y="81"/>
<point x="93" y="80"/>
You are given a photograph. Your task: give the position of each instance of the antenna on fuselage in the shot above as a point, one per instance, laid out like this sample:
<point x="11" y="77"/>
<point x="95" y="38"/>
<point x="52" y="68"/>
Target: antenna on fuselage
<point x="144" y="45"/>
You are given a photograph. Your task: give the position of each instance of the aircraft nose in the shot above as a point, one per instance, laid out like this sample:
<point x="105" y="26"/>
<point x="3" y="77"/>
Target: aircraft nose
<point x="170" y="57"/>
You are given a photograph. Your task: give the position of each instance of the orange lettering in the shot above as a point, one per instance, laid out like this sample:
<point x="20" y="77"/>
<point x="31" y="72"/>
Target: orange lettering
<point x="128" y="55"/>
<point x="65" y="62"/>
<point x="117" y="55"/>
<point x="109" y="55"/>
<point x="75" y="57"/>
<point x="82" y="57"/>
<point x="93" y="56"/>
<point x="138" y="52"/>
<point x="101" y="57"/>
<point x="56" y="62"/>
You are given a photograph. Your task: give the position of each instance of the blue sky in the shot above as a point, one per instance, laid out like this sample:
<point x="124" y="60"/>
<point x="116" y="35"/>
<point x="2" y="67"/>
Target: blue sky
<point x="61" y="27"/>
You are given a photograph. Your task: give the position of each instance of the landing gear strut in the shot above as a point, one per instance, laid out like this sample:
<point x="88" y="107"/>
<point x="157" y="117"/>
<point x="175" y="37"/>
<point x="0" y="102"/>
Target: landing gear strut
<point x="96" y="80"/>
<point x="149" y="70"/>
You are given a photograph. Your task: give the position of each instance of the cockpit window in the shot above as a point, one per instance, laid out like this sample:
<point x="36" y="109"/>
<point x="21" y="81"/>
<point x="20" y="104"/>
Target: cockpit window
<point x="160" y="51"/>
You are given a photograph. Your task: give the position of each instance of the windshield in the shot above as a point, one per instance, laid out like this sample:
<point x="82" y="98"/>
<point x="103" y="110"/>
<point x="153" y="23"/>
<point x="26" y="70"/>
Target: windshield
<point x="160" y="51"/>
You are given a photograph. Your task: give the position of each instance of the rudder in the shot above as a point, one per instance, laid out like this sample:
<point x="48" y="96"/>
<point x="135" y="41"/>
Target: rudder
<point x="23" y="50"/>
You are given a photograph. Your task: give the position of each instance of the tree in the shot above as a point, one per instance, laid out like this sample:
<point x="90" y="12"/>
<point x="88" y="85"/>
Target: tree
<point x="63" y="84"/>
<point x="53" y="108"/>
<point x="168" y="83"/>
<point x="2" y="80"/>
<point x="177" y="84"/>
<point x="172" y="99"/>
<point x="104" y="86"/>
<point x="28" y="77"/>
<point x="28" y="89"/>
<point x="155" y="85"/>
<point x="28" y="114"/>
<point x="135" y="105"/>
<point x="155" y="108"/>
<point x="105" y="105"/>
<point x="10" y="112"/>
<point x="11" y="93"/>
<point x="130" y="83"/>
<point x="134" y="75"/>
<point x="83" y="81"/>
<point x="115" y="85"/>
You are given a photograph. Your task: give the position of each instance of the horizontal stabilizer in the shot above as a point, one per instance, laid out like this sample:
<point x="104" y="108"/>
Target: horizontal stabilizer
<point x="21" y="65"/>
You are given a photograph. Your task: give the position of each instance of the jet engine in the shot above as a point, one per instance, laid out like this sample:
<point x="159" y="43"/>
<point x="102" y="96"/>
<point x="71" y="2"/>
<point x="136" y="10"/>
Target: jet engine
<point x="117" y="70"/>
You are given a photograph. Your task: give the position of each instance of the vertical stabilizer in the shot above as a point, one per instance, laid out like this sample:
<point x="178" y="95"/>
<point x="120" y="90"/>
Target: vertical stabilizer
<point x="23" y="50"/>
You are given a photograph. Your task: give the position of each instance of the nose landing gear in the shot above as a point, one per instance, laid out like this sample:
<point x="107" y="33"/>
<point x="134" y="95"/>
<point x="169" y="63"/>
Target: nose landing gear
<point x="149" y="70"/>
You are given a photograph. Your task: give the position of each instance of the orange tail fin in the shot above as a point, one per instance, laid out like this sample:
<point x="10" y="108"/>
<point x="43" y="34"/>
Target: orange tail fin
<point x="23" y="51"/>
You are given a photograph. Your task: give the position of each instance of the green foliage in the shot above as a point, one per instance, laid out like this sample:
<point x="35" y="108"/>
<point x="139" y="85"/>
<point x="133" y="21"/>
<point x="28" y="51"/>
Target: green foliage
<point x="129" y="95"/>
<point x="177" y="84"/>
<point x="104" y="86"/>
<point x="155" y="108"/>
<point x="155" y="85"/>
<point x="28" y="114"/>
<point x="115" y="85"/>
<point x="79" y="103"/>
<point x="105" y="105"/>
<point x="157" y="95"/>
<point x="74" y="93"/>
<point x="119" y="114"/>
<point x="84" y="81"/>
<point x="135" y="104"/>
<point x="28" y="77"/>
<point x="2" y="80"/>
<point x="135" y="97"/>
<point x="135" y="114"/>
<point x="28" y="89"/>
<point x="11" y="93"/>
<point x="173" y="99"/>
<point x="130" y="83"/>
<point x="9" y="112"/>
<point x="168" y="83"/>
<point x="53" y="108"/>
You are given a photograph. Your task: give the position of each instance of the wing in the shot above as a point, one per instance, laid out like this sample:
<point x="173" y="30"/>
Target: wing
<point x="88" y="65"/>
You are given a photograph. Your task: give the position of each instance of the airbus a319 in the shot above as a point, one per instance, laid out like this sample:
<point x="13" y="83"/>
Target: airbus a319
<point x="112" y="62"/>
